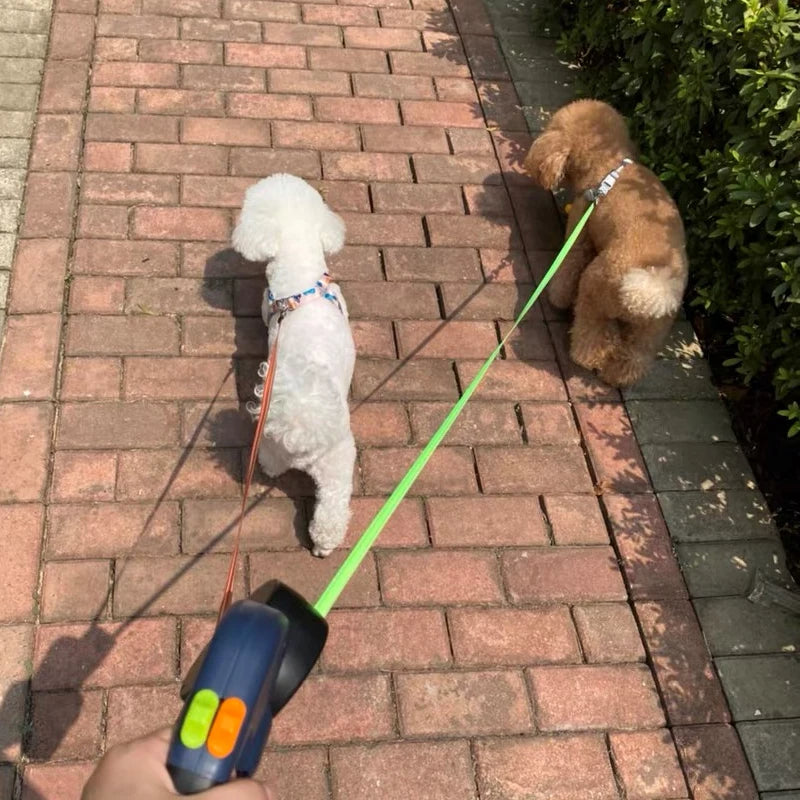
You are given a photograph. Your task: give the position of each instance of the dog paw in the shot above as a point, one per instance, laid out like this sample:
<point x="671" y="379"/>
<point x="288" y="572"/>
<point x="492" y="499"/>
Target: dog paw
<point x="619" y="373"/>
<point x="588" y="358"/>
<point x="323" y="542"/>
<point x="561" y="299"/>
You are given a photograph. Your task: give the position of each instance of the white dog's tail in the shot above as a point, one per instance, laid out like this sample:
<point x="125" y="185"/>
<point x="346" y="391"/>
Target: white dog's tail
<point x="652" y="292"/>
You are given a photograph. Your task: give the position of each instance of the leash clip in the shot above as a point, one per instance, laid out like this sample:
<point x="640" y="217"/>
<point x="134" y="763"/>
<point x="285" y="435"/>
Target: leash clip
<point x="282" y="305"/>
<point x="318" y="290"/>
<point x="607" y="184"/>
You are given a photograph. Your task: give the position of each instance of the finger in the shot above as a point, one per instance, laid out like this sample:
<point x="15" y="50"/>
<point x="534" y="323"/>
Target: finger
<point x="164" y="735"/>
<point x="156" y="744"/>
<point x="152" y="746"/>
<point x="238" y="790"/>
<point x="152" y="751"/>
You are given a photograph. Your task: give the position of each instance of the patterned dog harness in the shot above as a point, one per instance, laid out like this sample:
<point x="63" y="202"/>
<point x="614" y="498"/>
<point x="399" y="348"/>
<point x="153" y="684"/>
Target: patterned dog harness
<point x="282" y="306"/>
<point x="317" y="291"/>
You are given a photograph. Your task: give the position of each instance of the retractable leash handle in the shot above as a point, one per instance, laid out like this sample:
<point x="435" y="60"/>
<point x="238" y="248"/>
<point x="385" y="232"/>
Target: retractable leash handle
<point x="261" y="652"/>
<point x="229" y="708"/>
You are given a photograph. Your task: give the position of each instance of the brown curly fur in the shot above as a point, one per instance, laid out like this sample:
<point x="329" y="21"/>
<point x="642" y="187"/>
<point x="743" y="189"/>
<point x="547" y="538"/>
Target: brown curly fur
<point x="626" y="275"/>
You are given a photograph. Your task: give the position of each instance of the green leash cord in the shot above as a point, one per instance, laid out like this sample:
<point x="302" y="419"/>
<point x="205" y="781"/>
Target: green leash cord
<point x="360" y="549"/>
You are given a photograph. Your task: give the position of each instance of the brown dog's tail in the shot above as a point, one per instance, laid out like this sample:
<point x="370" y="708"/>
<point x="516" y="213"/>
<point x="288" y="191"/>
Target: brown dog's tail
<point x="652" y="292"/>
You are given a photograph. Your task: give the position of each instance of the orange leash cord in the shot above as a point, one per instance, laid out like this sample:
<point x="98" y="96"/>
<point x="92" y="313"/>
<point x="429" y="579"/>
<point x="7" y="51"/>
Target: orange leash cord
<point x="269" y="379"/>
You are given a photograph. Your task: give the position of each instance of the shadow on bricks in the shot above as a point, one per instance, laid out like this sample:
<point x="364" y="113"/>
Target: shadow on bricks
<point x="506" y="265"/>
<point x="70" y="661"/>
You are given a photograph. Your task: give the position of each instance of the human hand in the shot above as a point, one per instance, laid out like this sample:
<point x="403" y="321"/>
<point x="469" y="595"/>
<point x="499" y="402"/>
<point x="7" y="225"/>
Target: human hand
<point x="138" y="771"/>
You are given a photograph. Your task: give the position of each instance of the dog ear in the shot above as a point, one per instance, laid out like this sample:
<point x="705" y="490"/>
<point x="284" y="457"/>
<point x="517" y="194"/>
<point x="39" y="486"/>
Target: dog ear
<point x="331" y="233"/>
<point x="255" y="236"/>
<point x="547" y="159"/>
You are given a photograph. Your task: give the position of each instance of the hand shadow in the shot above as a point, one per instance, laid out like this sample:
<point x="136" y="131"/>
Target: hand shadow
<point x="39" y="722"/>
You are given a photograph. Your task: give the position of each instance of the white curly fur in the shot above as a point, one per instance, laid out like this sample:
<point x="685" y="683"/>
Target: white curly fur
<point x="285" y="221"/>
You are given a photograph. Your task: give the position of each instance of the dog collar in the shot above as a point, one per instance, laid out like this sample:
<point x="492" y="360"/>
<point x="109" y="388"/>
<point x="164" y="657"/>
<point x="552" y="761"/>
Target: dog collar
<point x="317" y="291"/>
<point x="607" y="184"/>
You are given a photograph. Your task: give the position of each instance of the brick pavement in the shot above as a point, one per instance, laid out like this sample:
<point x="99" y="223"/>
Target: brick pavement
<point x="522" y="629"/>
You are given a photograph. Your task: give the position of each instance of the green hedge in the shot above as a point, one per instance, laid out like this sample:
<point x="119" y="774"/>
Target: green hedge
<point x="712" y="91"/>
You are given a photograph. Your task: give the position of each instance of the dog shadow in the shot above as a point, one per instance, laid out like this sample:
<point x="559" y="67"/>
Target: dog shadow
<point x="231" y="426"/>
<point x="536" y="233"/>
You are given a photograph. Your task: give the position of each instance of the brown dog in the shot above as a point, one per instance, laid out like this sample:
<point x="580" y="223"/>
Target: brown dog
<point x="626" y="275"/>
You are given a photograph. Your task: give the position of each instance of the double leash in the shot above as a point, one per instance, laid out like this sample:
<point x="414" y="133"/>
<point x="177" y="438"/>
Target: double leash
<point x="360" y="549"/>
<point x="264" y="648"/>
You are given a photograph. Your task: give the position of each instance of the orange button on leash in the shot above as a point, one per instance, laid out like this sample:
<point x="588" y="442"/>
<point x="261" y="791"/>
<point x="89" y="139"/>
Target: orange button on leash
<point x="226" y="727"/>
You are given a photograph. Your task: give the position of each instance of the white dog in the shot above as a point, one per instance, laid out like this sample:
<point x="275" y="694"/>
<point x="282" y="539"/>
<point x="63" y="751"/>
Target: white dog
<point x="285" y="222"/>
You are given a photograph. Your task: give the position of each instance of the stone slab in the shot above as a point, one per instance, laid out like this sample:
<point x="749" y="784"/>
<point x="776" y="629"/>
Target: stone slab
<point x="761" y="687"/>
<point x="506" y="8"/>
<point x="9" y="214"/>
<point x="24" y="45"/>
<point x="7" y="242"/>
<point x="682" y="342"/>
<point x="667" y="421"/>
<point x="12" y="182"/>
<point x="687" y="465"/>
<point x="19" y="97"/>
<point x="735" y="626"/>
<point x="772" y="749"/>
<point x="550" y="94"/>
<point x="16" y="123"/>
<point x="715" y="569"/>
<point x="18" y="20"/>
<point x="14" y="153"/>
<point x="4" y="282"/>
<point x="537" y="117"/>
<point x="716" y="516"/>
<point x="674" y="379"/>
<point x="28" y="5"/>
<point x="21" y="70"/>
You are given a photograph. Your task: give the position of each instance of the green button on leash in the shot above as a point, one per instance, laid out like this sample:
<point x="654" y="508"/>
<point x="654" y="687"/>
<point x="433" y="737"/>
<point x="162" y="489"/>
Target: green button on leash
<point x="199" y="717"/>
<point x="360" y="549"/>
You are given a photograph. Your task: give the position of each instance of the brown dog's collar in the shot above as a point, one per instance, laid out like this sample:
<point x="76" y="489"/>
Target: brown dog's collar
<point x="607" y="184"/>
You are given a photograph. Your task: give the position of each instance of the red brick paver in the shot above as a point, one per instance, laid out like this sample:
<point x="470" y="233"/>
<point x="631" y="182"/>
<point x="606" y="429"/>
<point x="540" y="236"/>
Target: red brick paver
<point x="521" y="630"/>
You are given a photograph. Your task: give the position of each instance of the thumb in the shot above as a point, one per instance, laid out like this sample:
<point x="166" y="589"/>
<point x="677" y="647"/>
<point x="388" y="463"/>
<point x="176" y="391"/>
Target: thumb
<point x="240" y="789"/>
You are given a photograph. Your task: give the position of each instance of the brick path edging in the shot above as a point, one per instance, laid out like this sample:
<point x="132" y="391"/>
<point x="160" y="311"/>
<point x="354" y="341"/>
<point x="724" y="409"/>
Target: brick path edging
<point x="24" y="31"/>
